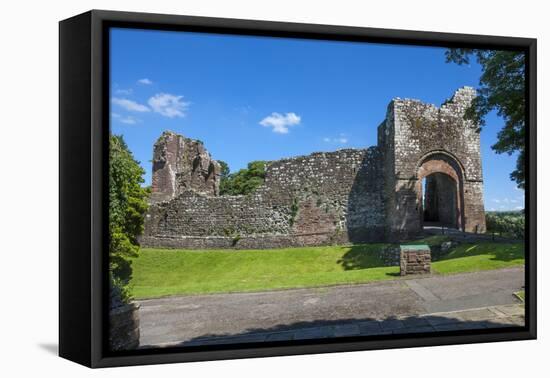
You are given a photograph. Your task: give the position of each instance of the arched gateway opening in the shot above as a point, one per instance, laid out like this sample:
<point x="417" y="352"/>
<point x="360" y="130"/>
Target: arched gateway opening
<point x="440" y="190"/>
<point x="440" y="202"/>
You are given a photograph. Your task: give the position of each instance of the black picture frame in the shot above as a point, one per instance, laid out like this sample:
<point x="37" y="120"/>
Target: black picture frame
<point x="83" y="163"/>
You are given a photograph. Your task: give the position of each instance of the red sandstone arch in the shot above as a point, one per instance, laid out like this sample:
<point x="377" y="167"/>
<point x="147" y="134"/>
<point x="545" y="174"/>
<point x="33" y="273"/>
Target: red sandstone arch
<point x="445" y="163"/>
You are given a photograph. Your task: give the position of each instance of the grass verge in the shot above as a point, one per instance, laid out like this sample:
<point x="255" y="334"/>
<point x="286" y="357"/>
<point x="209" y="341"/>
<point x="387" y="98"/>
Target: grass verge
<point x="163" y="272"/>
<point x="480" y="256"/>
<point x="160" y="272"/>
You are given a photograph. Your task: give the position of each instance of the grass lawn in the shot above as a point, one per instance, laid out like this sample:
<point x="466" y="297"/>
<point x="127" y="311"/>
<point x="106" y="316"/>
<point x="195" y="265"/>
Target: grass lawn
<point x="480" y="256"/>
<point x="159" y="272"/>
<point x="162" y="272"/>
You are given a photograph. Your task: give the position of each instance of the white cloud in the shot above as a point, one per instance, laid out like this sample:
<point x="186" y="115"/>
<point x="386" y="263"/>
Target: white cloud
<point x="507" y="200"/>
<point x="341" y="139"/>
<point x="145" y="81"/>
<point x="168" y="105"/>
<point x="129" y="120"/>
<point x="130" y="105"/>
<point x="280" y="123"/>
<point x="507" y="203"/>
<point x="504" y="200"/>
<point x="124" y="92"/>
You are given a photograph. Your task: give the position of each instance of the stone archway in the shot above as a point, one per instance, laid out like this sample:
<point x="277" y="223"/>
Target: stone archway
<point x="440" y="189"/>
<point x="440" y="201"/>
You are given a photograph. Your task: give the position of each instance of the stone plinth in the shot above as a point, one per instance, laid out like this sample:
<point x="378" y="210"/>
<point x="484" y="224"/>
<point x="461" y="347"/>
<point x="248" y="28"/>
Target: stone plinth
<point x="415" y="259"/>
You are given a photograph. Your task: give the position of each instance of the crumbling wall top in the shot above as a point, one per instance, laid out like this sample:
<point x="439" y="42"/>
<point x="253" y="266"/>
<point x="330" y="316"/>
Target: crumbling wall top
<point x="181" y="164"/>
<point x="416" y="128"/>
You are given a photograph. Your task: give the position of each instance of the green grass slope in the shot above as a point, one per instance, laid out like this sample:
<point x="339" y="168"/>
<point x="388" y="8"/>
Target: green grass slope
<point x="163" y="272"/>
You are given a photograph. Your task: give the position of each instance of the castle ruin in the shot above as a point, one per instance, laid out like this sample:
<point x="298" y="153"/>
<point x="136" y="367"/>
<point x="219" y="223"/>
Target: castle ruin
<point x="425" y="169"/>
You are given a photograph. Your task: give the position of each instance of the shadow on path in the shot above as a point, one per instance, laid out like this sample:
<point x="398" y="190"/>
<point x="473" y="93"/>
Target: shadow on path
<point x="476" y="319"/>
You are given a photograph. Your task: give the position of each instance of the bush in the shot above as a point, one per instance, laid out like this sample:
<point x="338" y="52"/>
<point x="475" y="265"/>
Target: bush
<point x="245" y="181"/>
<point x="506" y="224"/>
<point x="118" y="293"/>
<point x="127" y="207"/>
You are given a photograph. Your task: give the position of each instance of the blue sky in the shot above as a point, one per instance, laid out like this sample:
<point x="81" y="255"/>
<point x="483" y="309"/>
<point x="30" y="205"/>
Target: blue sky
<point x="260" y="98"/>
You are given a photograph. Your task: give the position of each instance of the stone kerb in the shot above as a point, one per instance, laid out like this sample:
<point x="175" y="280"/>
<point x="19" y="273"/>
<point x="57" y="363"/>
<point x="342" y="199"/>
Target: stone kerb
<point x="415" y="259"/>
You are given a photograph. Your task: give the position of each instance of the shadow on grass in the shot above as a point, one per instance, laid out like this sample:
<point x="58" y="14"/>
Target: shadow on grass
<point x="367" y="256"/>
<point x="326" y="329"/>
<point x="393" y="274"/>
<point x="500" y="251"/>
<point x="363" y="256"/>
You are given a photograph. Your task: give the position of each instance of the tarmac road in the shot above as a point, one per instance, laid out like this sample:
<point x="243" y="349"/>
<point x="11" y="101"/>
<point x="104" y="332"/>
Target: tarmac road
<point x="173" y="320"/>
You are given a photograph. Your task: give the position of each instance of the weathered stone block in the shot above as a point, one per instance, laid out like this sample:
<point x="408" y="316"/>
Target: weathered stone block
<point x="415" y="259"/>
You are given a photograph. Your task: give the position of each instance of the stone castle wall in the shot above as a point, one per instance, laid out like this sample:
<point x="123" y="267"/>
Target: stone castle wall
<point x="306" y="200"/>
<point x="350" y="195"/>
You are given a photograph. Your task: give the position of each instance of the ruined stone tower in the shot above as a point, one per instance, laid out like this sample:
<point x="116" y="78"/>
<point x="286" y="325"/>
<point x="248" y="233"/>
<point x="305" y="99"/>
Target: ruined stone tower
<point x="179" y="164"/>
<point x="425" y="169"/>
<point x="433" y="166"/>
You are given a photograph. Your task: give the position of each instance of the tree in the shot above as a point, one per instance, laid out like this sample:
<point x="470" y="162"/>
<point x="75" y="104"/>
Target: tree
<point x="127" y="207"/>
<point x="245" y="181"/>
<point x="502" y="88"/>
<point x="224" y="169"/>
<point x="224" y="177"/>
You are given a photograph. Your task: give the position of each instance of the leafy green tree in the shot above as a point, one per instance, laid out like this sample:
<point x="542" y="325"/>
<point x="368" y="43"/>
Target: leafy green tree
<point x="224" y="169"/>
<point x="224" y="177"/>
<point x="510" y="224"/>
<point x="127" y="207"/>
<point x="245" y="181"/>
<point x="502" y="88"/>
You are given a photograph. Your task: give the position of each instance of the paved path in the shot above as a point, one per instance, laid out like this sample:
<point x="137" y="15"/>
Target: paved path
<point x="466" y="237"/>
<point x="404" y="305"/>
